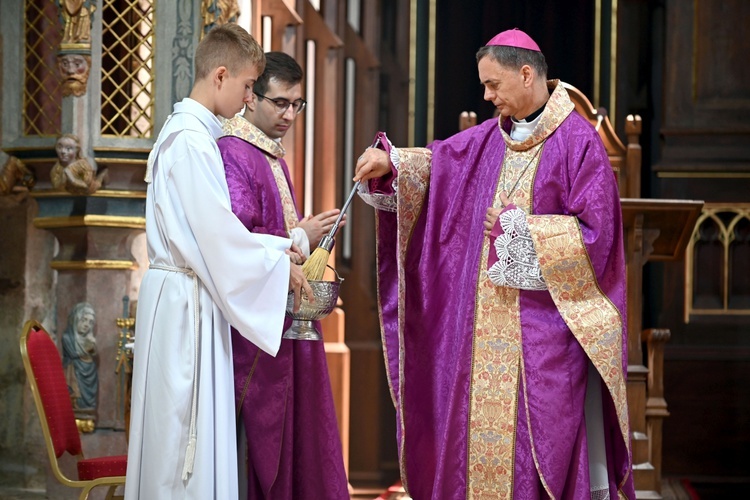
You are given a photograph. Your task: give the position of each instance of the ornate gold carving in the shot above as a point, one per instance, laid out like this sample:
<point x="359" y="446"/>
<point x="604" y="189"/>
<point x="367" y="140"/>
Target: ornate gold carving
<point x="91" y="221"/>
<point x="217" y="13"/>
<point x="102" y="193"/>
<point x="13" y="173"/>
<point x="74" y="265"/>
<point x="85" y="426"/>
<point x="124" y="358"/>
<point x="76" y="15"/>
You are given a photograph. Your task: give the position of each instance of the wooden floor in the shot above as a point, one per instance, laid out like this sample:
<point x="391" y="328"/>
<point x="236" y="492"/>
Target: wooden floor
<point x="672" y="489"/>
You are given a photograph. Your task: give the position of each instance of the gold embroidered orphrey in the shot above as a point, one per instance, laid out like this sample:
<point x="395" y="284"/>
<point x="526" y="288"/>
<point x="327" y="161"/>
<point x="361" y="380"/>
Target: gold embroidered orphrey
<point x="238" y="126"/>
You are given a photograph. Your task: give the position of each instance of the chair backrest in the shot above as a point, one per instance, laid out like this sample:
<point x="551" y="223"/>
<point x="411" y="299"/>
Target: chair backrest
<point x="625" y="160"/>
<point x="44" y="369"/>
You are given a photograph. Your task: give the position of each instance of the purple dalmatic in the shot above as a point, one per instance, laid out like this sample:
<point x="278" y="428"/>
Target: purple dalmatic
<point x="490" y="382"/>
<point x="286" y="404"/>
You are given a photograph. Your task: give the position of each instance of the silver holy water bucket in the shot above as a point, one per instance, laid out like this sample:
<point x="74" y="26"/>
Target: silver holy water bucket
<point x="326" y="294"/>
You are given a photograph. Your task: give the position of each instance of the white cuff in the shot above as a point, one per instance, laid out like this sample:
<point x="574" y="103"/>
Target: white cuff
<point x="299" y="238"/>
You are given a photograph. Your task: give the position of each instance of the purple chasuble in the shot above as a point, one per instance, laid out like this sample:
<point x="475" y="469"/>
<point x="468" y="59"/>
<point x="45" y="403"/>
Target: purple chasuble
<point x="294" y="447"/>
<point x="430" y="366"/>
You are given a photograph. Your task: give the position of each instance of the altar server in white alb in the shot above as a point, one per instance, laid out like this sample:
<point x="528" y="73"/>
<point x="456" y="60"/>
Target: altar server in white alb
<point x="206" y="272"/>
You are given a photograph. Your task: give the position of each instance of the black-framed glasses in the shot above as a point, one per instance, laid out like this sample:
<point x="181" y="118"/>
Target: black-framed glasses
<point x="282" y="104"/>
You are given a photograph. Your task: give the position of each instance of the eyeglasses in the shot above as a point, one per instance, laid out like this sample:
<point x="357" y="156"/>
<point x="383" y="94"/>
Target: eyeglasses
<point x="282" y="105"/>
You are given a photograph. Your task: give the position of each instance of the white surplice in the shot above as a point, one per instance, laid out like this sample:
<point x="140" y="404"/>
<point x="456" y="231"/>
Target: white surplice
<point x="242" y="279"/>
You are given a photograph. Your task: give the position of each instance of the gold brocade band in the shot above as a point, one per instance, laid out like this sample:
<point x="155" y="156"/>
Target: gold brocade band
<point x="413" y="181"/>
<point x="74" y="265"/>
<point x="591" y="316"/>
<point x="90" y="220"/>
<point x="493" y="395"/>
<point x="239" y="127"/>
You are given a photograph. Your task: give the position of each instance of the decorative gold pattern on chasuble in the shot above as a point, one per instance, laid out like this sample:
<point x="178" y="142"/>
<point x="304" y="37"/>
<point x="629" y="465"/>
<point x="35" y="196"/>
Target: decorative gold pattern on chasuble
<point x="497" y="352"/>
<point x="413" y="179"/>
<point x="494" y="388"/>
<point x="591" y="316"/>
<point x="558" y="107"/>
<point x="497" y="355"/>
<point x="240" y="127"/>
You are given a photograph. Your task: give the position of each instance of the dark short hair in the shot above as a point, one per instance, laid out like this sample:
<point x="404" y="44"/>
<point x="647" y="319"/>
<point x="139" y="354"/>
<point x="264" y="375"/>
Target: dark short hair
<point x="280" y="67"/>
<point x="514" y="57"/>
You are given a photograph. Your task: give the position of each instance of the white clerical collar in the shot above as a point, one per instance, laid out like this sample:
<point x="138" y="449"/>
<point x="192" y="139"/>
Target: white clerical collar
<point x="521" y="129"/>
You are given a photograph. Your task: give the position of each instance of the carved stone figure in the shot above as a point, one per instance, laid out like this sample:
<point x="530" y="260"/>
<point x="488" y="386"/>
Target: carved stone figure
<point x="12" y="173"/>
<point x="76" y="16"/>
<point x="79" y="353"/>
<point x="218" y="13"/>
<point x="72" y="172"/>
<point x="74" y="69"/>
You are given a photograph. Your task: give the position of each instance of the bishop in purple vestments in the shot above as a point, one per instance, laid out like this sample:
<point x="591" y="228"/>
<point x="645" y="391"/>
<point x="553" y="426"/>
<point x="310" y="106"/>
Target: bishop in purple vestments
<point x="504" y="327"/>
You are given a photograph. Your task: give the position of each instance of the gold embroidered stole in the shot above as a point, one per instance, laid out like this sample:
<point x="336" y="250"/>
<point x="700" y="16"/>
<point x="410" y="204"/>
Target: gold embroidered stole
<point x="497" y="362"/>
<point x="238" y="126"/>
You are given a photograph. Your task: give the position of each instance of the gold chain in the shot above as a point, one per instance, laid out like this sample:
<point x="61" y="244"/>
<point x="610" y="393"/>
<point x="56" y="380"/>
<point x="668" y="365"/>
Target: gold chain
<point x="522" y="174"/>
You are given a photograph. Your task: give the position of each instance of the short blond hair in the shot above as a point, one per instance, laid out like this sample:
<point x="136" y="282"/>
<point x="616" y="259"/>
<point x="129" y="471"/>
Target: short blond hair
<point x="228" y="45"/>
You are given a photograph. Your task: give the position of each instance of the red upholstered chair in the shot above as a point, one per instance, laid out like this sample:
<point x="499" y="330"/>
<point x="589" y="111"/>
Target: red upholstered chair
<point x="44" y="369"/>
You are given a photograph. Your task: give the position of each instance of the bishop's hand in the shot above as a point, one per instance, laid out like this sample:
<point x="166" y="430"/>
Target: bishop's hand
<point x="372" y="164"/>
<point x="493" y="213"/>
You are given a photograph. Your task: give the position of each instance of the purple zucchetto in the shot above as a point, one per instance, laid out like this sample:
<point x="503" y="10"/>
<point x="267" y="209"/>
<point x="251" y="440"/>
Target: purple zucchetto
<point x="514" y="38"/>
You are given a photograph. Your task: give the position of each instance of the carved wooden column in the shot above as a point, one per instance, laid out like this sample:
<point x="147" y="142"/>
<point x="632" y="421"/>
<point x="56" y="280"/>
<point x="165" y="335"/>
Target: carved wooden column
<point x="656" y="405"/>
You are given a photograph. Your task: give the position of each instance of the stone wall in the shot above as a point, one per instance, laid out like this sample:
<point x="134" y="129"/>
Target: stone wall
<point x="27" y="290"/>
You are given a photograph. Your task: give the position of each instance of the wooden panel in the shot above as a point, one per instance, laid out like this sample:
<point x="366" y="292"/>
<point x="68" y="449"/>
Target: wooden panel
<point x="673" y="219"/>
<point x="338" y="358"/>
<point x="705" y="154"/>
<point x="721" y="83"/>
<point x="372" y="429"/>
<point x="708" y="432"/>
<point x="707" y="85"/>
